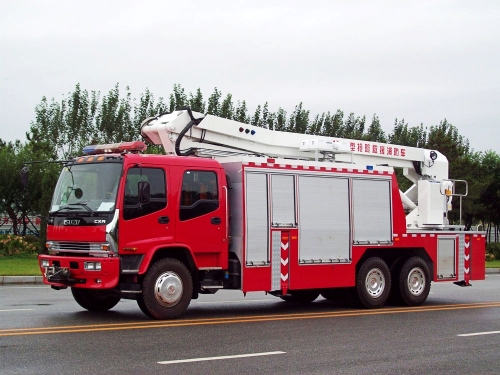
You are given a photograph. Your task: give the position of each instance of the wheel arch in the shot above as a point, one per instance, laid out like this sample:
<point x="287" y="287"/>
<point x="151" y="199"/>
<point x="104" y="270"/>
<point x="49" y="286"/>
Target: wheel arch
<point x="183" y="254"/>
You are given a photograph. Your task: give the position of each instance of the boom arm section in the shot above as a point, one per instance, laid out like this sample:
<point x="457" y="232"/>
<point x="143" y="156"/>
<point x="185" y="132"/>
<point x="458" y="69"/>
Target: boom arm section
<point x="184" y="132"/>
<point x="199" y="133"/>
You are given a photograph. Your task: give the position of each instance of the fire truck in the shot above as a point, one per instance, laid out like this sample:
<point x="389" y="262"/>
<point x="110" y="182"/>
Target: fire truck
<point x="236" y="206"/>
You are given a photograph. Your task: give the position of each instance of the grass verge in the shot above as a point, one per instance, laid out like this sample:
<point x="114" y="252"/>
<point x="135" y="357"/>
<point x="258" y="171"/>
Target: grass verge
<point x="493" y="264"/>
<point x="19" y="266"/>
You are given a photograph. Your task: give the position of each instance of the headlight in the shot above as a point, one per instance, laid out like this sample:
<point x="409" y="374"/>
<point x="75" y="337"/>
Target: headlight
<point x="92" y="266"/>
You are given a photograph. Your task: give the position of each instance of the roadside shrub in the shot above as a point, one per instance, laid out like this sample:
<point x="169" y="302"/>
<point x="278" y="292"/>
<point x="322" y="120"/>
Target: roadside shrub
<point x="492" y="251"/>
<point x="23" y="246"/>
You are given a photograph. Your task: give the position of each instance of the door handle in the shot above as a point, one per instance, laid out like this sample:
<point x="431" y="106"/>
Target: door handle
<point x="215" y="220"/>
<point x="163" y="219"/>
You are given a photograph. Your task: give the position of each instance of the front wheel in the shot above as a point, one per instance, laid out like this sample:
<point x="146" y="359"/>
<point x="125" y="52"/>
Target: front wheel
<point x="166" y="289"/>
<point x="414" y="282"/>
<point x="95" y="300"/>
<point x="373" y="283"/>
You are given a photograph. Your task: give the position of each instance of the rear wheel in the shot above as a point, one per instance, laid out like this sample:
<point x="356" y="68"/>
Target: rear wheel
<point x="301" y="296"/>
<point x="166" y="289"/>
<point x="414" y="282"/>
<point x="95" y="300"/>
<point x="373" y="283"/>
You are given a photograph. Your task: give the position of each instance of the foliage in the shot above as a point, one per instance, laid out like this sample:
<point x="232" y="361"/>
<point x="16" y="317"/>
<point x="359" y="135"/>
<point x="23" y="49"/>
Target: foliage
<point x="493" y="251"/>
<point x="11" y="245"/>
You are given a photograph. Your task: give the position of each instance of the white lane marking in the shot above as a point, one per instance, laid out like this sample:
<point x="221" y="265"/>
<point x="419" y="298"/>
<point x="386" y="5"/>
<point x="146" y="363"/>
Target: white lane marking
<point x="221" y="357"/>
<point x="479" y="333"/>
<point x="16" y="310"/>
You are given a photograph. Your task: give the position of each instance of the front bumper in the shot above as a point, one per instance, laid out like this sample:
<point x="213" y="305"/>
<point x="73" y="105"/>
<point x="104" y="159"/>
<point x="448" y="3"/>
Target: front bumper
<point x="63" y="271"/>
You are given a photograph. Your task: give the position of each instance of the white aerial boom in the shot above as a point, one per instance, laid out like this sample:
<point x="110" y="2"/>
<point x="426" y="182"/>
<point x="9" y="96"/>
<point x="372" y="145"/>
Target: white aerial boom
<point x="184" y="132"/>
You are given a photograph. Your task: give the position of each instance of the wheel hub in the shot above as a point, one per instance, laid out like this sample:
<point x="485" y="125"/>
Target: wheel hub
<point x="168" y="289"/>
<point x="375" y="283"/>
<point x="416" y="281"/>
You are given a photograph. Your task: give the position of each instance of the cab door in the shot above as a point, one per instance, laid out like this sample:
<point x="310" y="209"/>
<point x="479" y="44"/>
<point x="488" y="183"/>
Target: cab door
<point x="144" y="226"/>
<point x="202" y="217"/>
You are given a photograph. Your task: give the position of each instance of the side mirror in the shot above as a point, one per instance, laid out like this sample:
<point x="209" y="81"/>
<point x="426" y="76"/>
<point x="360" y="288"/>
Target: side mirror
<point x="78" y="193"/>
<point x="144" y="192"/>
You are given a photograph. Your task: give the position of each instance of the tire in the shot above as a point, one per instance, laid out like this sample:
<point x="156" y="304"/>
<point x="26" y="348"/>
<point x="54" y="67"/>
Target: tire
<point x="301" y="296"/>
<point x="373" y="283"/>
<point x="166" y="289"/>
<point x="414" y="282"/>
<point x="395" y="269"/>
<point x="142" y="306"/>
<point x="95" y="300"/>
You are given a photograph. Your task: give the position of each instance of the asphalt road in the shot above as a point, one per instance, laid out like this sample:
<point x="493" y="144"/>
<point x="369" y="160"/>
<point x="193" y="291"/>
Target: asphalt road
<point x="457" y="331"/>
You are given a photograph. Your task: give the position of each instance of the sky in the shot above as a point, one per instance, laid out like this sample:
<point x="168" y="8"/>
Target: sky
<point x="422" y="61"/>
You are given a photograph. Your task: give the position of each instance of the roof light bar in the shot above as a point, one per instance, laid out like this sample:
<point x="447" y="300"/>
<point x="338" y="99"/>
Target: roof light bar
<point x="134" y="146"/>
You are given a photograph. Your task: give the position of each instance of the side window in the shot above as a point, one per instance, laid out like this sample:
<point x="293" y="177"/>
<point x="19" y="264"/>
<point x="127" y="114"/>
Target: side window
<point x="156" y="179"/>
<point x="199" y="195"/>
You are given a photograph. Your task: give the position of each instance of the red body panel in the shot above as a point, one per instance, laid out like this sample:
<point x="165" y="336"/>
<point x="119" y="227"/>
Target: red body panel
<point x="106" y="278"/>
<point x="478" y="254"/>
<point x="75" y="233"/>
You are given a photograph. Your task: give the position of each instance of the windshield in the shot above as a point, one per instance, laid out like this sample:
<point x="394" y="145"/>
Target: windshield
<point x="87" y="187"/>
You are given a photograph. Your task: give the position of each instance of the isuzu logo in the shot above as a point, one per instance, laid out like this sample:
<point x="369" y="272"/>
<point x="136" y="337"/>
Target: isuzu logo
<point x="71" y="222"/>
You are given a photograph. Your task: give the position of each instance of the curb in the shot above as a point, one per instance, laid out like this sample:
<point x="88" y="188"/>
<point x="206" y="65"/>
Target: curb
<point x="9" y="280"/>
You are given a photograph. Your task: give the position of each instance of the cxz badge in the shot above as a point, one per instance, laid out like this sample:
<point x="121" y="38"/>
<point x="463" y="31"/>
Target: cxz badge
<point x="71" y="222"/>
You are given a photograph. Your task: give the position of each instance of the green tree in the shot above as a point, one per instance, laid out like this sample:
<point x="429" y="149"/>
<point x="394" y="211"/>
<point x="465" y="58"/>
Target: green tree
<point x="226" y="108"/>
<point x="280" y="123"/>
<point x="405" y="136"/>
<point x="114" y="119"/>
<point x="333" y="126"/>
<point x="241" y="112"/>
<point x="375" y="132"/>
<point x="214" y="103"/>
<point x="257" y="117"/>
<point x="354" y="127"/>
<point x="178" y="98"/>
<point x="299" y="120"/>
<point x="196" y="102"/>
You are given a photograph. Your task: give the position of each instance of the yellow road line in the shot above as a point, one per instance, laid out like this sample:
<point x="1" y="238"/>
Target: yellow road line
<point x="240" y="319"/>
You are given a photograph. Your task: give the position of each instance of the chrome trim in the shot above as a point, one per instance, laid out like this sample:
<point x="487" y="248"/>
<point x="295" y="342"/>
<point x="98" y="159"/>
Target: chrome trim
<point x="84" y="248"/>
<point x="112" y="232"/>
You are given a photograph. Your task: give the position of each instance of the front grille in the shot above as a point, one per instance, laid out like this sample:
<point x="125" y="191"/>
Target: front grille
<point x="78" y="248"/>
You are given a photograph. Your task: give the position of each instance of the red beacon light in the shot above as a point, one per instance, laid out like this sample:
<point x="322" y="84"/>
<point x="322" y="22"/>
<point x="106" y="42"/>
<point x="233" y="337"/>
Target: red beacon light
<point x="135" y="146"/>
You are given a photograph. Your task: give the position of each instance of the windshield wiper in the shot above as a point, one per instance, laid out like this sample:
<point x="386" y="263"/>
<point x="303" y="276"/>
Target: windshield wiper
<point x="68" y="207"/>
<point x="63" y="208"/>
<point x="83" y="204"/>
